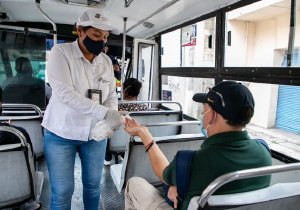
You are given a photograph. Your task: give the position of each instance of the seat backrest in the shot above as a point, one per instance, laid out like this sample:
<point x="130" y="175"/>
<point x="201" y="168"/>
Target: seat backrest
<point x="275" y="197"/>
<point x="34" y="129"/>
<point x="120" y="138"/>
<point x="29" y="117"/>
<point x="17" y="173"/>
<point x="136" y="161"/>
<point x="191" y="129"/>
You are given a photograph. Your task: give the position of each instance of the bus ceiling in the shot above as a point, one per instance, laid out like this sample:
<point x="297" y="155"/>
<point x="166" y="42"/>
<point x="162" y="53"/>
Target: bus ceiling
<point x="144" y="18"/>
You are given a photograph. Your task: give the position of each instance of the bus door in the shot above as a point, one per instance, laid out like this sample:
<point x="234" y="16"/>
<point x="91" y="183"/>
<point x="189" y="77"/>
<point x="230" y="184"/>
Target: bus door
<point x="143" y="65"/>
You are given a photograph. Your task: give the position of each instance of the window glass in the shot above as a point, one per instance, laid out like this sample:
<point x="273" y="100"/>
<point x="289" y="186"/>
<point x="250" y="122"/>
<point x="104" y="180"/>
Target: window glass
<point x="190" y="46"/>
<point x="182" y="89"/>
<point x="197" y="44"/>
<point x="257" y="35"/>
<point x="145" y="68"/>
<point x="276" y="116"/>
<point x="22" y="68"/>
<point x="170" y="49"/>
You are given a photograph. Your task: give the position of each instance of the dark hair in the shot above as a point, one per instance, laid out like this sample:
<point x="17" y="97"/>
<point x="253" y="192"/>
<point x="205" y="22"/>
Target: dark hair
<point x="245" y="116"/>
<point x="132" y="87"/>
<point x="85" y="28"/>
<point x="23" y="66"/>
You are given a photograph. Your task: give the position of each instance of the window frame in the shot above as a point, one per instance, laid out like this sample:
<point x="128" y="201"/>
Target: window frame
<point x="272" y="75"/>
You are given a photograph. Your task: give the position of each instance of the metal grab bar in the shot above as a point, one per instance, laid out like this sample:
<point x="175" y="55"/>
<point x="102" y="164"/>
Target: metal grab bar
<point x="243" y="174"/>
<point x="152" y="102"/>
<point x="18" y="108"/>
<point x="15" y="131"/>
<point x="178" y="123"/>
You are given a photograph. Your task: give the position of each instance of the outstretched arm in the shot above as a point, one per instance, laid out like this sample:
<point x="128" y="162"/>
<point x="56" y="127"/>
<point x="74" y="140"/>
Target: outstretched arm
<point x="158" y="160"/>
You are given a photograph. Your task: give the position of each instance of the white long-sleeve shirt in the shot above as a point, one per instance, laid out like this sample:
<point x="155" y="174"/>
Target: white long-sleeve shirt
<point x="70" y="113"/>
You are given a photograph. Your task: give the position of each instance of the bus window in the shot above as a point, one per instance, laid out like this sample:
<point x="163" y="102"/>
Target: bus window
<point x="170" y="49"/>
<point x="182" y="89"/>
<point x="22" y="68"/>
<point x="276" y="116"/>
<point x="190" y="46"/>
<point x="257" y="34"/>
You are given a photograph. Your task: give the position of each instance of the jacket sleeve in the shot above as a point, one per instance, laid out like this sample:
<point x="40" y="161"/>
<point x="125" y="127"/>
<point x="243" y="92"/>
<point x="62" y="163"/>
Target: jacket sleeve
<point x="112" y="99"/>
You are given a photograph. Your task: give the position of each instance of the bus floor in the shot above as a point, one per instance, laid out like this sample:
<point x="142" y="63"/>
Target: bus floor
<point x="110" y="198"/>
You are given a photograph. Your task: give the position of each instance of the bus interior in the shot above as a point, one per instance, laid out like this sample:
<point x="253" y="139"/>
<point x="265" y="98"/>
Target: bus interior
<point x="176" y="48"/>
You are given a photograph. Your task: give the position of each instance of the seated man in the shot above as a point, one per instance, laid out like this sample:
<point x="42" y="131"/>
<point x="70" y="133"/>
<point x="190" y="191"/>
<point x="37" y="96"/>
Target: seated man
<point x="24" y="87"/>
<point x="228" y="107"/>
<point x="10" y="138"/>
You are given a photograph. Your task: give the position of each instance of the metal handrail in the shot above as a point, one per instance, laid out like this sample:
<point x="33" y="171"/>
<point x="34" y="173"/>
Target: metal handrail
<point x="15" y="131"/>
<point x="177" y="123"/>
<point x="152" y="102"/>
<point x="243" y="174"/>
<point x="34" y="108"/>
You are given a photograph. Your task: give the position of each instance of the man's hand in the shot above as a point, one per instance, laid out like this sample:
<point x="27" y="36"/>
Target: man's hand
<point x="133" y="127"/>
<point x="172" y="195"/>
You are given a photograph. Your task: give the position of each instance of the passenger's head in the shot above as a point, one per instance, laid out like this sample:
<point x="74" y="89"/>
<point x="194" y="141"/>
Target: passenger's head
<point x="23" y="66"/>
<point x="131" y="88"/>
<point x="231" y="101"/>
<point x="93" y="29"/>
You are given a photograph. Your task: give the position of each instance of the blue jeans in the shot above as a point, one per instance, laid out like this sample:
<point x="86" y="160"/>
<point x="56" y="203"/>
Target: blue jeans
<point x="60" y="155"/>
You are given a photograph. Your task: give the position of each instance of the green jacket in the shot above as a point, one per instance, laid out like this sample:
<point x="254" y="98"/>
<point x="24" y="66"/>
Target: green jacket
<point x="220" y="154"/>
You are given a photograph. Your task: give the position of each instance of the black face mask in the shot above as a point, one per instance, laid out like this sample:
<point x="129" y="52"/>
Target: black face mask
<point x="94" y="47"/>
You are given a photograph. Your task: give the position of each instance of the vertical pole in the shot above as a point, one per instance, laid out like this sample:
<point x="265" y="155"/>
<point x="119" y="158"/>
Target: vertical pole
<point x="123" y="56"/>
<point x="292" y="33"/>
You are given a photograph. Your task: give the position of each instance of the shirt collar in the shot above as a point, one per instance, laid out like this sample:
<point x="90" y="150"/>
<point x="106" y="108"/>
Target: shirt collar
<point x="78" y="53"/>
<point x="225" y="137"/>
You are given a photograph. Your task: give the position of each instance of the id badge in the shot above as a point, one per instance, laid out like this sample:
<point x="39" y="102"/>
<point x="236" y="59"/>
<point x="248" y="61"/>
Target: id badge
<point x="95" y="95"/>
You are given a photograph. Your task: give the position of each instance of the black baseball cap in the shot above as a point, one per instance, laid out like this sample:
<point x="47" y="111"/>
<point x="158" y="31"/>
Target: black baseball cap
<point x="228" y="98"/>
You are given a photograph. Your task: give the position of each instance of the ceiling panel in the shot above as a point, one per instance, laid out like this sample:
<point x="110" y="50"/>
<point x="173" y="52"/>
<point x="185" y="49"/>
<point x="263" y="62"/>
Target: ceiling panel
<point x="60" y="12"/>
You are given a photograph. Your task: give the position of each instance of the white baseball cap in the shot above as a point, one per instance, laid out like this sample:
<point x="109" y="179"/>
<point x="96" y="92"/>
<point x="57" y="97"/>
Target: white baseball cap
<point x="95" y="18"/>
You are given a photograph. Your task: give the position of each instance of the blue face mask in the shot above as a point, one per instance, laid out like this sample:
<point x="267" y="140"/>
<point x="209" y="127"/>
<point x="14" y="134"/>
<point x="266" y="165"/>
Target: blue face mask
<point x="94" y="47"/>
<point x="203" y="130"/>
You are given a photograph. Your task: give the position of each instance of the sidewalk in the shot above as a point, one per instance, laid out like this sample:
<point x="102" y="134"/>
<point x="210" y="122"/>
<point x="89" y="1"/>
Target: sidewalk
<point x="278" y="140"/>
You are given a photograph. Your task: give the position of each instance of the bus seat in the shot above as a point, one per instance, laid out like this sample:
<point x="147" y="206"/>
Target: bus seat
<point x="19" y="182"/>
<point x="275" y="197"/>
<point x="29" y="117"/>
<point x="120" y="138"/>
<point x="136" y="161"/>
<point x="34" y="129"/>
<point x="191" y="129"/>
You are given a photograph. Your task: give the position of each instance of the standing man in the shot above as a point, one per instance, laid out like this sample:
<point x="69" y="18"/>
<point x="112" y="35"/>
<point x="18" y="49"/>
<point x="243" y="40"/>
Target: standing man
<point x="83" y="93"/>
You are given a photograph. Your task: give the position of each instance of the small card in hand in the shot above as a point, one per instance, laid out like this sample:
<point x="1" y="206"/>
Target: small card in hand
<point x="95" y="95"/>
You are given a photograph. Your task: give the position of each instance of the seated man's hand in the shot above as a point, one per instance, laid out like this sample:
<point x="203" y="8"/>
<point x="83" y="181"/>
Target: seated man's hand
<point x="134" y="128"/>
<point x="172" y="195"/>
